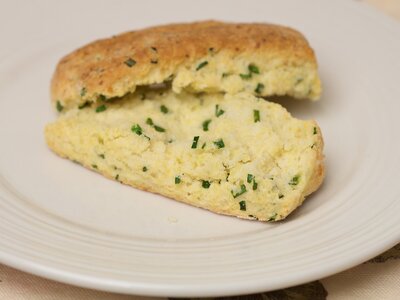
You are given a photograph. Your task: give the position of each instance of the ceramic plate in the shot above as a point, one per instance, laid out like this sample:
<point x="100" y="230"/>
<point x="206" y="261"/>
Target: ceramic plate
<point x="64" y="222"/>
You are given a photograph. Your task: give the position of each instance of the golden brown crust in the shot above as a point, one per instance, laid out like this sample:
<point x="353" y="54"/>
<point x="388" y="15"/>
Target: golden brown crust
<point x="105" y="67"/>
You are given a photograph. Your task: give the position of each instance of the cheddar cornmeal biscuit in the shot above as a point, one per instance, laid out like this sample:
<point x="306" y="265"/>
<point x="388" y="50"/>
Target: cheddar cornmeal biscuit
<point x="202" y="135"/>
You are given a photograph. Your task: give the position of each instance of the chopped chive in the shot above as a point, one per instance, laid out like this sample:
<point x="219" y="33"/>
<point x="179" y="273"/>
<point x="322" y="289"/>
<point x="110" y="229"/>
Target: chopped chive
<point x="101" y="108"/>
<point x="137" y="129"/>
<point x="273" y="217"/>
<point x="205" y="184"/>
<point x="117" y="177"/>
<point x="130" y="62"/>
<point x="211" y="49"/>
<point x="295" y="180"/>
<point x="218" y="112"/>
<point x="280" y="196"/>
<point x="242" y="191"/>
<point x="250" y="178"/>
<point x="253" y="69"/>
<point x="245" y="76"/>
<point x="86" y="104"/>
<point x="256" y="115"/>
<point x="149" y="121"/>
<point x="102" y="156"/>
<point x="195" y="141"/>
<point x="242" y="205"/>
<point x="205" y="124"/>
<point x="164" y="109"/>
<point x="154" y="61"/>
<point x="102" y="98"/>
<point x="202" y="65"/>
<point x="315" y="130"/>
<point x="94" y="166"/>
<point x="259" y="88"/>
<point x="219" y="143"/>
<point x="144" y="169"/>
<point x="203" y="146"/>
<point x="83" y="91"/>
<point x="159" y="128"/>
<point x="59" y="106"/>
<point x="255" y="184"/>
<point x="154" y="49"/>
<point x="312" y="146"/>
<point x="225" y="75"/>
<point x="177" y="179"/>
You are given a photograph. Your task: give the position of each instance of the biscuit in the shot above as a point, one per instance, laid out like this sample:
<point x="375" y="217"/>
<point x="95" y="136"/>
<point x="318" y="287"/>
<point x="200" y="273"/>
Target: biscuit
<point x="236" y="155"/>
<point x="210" y="56"/>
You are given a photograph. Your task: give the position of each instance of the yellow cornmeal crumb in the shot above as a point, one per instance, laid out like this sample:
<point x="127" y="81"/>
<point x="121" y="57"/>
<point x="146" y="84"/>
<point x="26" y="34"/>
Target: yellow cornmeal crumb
<point x="236" y="155"/>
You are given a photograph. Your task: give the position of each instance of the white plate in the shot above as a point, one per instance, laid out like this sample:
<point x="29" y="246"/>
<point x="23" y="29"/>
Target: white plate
<point x="66" y="223"/>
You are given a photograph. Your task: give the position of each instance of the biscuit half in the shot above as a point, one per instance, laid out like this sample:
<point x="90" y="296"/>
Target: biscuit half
<point x="236" y="154"/>
<point x="210" y="56"/>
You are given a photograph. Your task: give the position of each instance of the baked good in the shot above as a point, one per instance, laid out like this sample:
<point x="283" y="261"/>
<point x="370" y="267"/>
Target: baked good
<point x="195" y="140"/>
<point x="261" y="59"/>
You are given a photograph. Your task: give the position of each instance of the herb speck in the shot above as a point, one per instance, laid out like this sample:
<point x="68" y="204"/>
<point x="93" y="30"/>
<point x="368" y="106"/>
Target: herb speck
<point x="202" y="65"/>
<point x="205" y="184"/>
<point x="195" y="141"/>
<point x="205" y="124"/>
<point x="130" y="62"/>
<point x="101" y="108"/>
<point x="59" y="106"/>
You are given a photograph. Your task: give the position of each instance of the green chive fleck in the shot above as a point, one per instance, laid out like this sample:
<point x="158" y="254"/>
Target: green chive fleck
<point x="202" y="65"/>
<point x="137" y="129"/>
<point x="253" y="69"/>
<point x="101" y="108"/>
<point x="315" y="130"/>
<point x="164" y="109"/>
<point x="255" y="184"/>
<point x="205" y="184"/>
<point x="102" y="156"/>
<point x="130" y="62"/>
<point x="218" y="112"/>
<point x="102" y="98"/>
<point x="83" y="91"/>
<point x="256" y="115"/>
<point x="144" y="169"/>
<point x="195" y="141"/>
<point x="86" y="104"/>
<point x="59" y="106"/>
<point x="159" y="128"/>
<point x="149" y="121"/>
<point x="177" y="180"/>
<point x="117" y="177"/>
<point x="154" y="61"/>
<point x="203" y="146"/>
<point x="219" y="143"/>
<point x="295" y="180"/>
<point x="242" y="205"/>
<point x="280" y="196"/>
<point x="205" y="124"/>
<point x="250" y="178"/>
<point x="225" y="75"/>
<point x="241" y="192"/>
<point x="94" y="166"/>
<point x="273" y="217"/>
<point x="259" y="88"/>
<point x="245" y="76"/>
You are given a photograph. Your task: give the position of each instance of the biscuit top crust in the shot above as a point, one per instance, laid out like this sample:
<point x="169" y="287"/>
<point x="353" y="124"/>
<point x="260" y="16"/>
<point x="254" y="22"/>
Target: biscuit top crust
<point x="208" y="56"/>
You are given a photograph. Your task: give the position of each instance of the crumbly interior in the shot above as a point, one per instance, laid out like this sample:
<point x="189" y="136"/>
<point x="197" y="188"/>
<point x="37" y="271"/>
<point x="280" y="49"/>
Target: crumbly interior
<point x="231" y="154"/>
